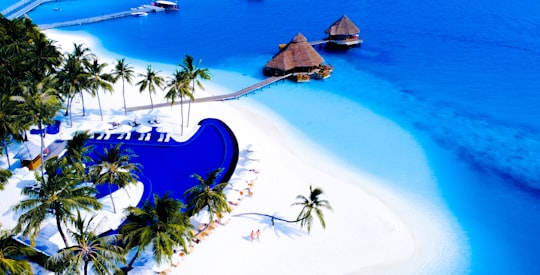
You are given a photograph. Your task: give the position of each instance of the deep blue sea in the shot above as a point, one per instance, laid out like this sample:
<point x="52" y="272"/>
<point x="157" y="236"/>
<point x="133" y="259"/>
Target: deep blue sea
<point x="462" y="76"/>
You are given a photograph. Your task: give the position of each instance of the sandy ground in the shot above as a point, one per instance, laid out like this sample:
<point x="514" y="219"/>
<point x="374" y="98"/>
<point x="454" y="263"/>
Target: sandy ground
<point x="371" y="229"/>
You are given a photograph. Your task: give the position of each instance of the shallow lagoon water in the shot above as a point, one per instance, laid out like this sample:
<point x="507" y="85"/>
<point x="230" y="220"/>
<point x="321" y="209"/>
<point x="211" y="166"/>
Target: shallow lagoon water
<point x="459" y="76"/>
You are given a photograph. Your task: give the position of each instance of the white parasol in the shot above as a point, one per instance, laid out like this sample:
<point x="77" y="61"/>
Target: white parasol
<point x="232" y="195"/>
<point x="253" y="147"/>
<point x="143" y="129"/>
<point x="252" y="165"/>
<point x="248" y="175"/>
<point x="161" y="267"/>
<point x="238" y="184"/>
<point x="123" y="129"/>
<point x="255" y="155"/>
<point x="164" y="129"/>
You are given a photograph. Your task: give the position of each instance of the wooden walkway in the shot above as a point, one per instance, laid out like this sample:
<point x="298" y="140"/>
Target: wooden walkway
<point x="22" y="9"/>
<point x="144" y="8"/>
<point x="230" y="96"/>
<point x="318" y="42"/>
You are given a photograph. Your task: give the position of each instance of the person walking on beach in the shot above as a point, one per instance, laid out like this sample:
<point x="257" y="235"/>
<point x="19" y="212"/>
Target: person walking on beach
<point x="258" y="234"/>
<point x="251" y="236"/>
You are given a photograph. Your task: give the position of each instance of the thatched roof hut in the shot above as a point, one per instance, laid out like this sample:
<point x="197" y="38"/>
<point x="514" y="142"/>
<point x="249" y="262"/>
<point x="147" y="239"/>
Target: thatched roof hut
<point x="297" y="56"/>
<point x="344" y="32"/>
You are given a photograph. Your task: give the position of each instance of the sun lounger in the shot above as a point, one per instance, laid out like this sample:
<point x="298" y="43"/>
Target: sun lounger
<point x="128" y="136"/>
<point x="161" y="137"/>
<point x="148" y="137"/>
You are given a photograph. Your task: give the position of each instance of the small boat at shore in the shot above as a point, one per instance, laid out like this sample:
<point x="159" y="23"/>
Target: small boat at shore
<point x="167" y="5"/>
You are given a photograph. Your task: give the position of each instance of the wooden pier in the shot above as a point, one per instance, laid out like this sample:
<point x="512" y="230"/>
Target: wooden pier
<point x="319" y="42"/>
<point x="235" y="95"/>
<point x="21" y="8"/>
<point x="144" y="8"/>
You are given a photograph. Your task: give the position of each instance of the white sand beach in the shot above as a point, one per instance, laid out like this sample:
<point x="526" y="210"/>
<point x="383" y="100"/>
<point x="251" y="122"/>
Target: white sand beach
<point x="372" y="229"/>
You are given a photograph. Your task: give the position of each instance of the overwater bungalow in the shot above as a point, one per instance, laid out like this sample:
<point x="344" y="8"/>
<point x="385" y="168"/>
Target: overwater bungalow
<point x="298" y="57"/>
<point x="343" y="33"/>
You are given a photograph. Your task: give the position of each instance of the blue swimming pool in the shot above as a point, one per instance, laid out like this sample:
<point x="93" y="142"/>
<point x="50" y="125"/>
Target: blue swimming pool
<point x="169" y="166"/>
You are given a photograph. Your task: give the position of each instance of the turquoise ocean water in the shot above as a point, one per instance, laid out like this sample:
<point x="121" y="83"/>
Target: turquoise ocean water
<point x="461" y="76"/>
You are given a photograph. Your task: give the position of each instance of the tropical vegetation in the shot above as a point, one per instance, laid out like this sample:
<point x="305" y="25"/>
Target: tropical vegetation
<point x="57" y="194"/>
<point x="194" y="73"/>
<point x="150" y="81"/>
<point x="207" y="194"/>
<point x="311" y="205"/>
<point x="161" y="225"/>
<point x="114" y="167"/>
<point x="179" y="88"/>
<point x="36" y="82"/>
<point x="12" y="255"/>
<point x="101" y="254"/>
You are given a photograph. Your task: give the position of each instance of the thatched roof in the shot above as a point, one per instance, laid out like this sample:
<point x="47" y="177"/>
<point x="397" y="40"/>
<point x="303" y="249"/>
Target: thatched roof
<point x="29" y="151"/>
<point x="343" y="26"/>
<point x="298" y="53"/>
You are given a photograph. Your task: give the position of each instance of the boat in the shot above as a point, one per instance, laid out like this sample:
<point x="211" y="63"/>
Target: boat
<point x="167" y="5"/>
<point x="323" y="72"/>
<point x="302" y="77"/>
<point x="139" y="13"/>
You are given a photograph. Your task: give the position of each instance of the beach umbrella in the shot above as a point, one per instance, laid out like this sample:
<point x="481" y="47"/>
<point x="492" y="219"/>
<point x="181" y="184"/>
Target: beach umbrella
<point x="201" y="218"/>
<point x="248" y="175"/>
<point x="253" y="147"/>
<point x="123" y="129"/>
<point x="252" y="165"/>
<point x="135" y="118"/>
<point x="232" y="195"/>
<point x="161" y="267"/>
<point x="239" y="184"/>
<point x="101" y="128"/>
<point x="255" y="155"/>
<point x="143" y="129"/>
<point x="163" y="129"/>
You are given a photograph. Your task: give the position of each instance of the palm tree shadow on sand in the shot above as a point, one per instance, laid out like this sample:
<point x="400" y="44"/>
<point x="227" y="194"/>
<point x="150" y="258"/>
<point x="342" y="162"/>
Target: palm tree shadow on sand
<point x="279" y="228"/>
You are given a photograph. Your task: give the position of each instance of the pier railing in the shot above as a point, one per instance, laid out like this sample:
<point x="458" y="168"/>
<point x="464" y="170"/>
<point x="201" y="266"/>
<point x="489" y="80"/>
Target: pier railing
<point x="144" y="8"/>
<point x="20" y="8"/>
<point x="230" y="96"/>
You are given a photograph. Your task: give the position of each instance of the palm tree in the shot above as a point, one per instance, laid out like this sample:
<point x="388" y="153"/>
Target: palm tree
<point x="4" y="177"/>
<point x="150" y="80"/>
<point x="309" y="205"/>
<point x="100" y="253"/>
<point x="73" y="79"/>
<point x="12" y="255"/>
<point x="179" y="88"/>
<point x="123" y="71"/>
<point x="194" y="73"/>
<point x="41" y="104"/>
<point x="98" y="79"/>
<point x="161" y="224"/>
<point x="78" y="153"/>
<point x="207" y="194"/>
<point x="115" y="167"/>
<point x="10" y="126"/>
<point x="81" y="54"/>
<point x="43" y="56"/>
<point x="59" y="192"/>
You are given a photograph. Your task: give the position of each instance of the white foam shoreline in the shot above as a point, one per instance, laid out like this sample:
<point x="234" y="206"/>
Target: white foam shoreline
<point x="372" y="229"/>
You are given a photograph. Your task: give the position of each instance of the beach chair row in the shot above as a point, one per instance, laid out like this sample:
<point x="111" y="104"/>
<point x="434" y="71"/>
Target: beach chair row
<point x="127" y="136"/>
